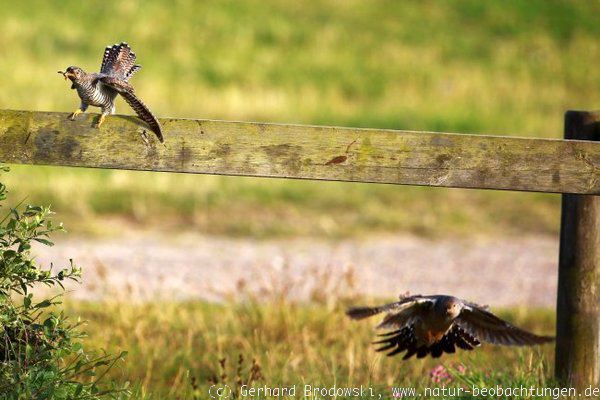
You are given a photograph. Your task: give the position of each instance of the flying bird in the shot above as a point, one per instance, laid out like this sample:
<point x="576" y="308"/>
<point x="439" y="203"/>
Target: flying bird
<point x="101" y="89"/>
<point x="436" y="324"/>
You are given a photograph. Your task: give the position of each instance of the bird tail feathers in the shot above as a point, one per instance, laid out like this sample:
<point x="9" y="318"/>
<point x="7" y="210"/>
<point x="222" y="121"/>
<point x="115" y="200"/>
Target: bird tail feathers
<point x="132" y="71"/>
<point x="119" y="61"/>
<point x="143" y="112"/>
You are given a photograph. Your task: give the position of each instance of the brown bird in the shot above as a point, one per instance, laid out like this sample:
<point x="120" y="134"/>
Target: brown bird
<point x="436" y="324"/>
<point x="101" y="89"/>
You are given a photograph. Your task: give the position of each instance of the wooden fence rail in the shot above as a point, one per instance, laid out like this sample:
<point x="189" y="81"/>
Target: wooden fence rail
<point x="307" y="152"/>
<point x="571" y="167"/>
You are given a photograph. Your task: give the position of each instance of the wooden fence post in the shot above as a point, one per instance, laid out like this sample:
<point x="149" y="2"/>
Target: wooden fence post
<point x="577" y="362"/>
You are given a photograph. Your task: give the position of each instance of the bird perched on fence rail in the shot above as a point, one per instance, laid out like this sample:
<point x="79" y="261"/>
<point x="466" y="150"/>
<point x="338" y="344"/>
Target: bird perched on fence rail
<point x="101" y="89"/>
<point x="433" y="325"/>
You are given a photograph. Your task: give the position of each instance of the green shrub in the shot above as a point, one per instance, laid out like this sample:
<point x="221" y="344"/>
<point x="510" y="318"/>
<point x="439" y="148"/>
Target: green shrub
<point x="41" y="356"/>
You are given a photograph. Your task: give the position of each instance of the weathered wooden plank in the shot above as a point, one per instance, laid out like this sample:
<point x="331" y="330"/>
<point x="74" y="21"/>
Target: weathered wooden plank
<point x="578" y="316"/>
<point x="308" y="152"/>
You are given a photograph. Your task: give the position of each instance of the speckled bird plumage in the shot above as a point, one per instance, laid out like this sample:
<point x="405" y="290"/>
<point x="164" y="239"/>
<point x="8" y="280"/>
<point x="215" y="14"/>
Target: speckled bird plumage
<point x="433" y="325"/>
<point x="101" y="89"/>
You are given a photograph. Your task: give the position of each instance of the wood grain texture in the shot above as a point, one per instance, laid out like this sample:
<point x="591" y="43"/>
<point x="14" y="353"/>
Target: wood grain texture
<point x="308" y="152"/>
<point x="578" y="301"/>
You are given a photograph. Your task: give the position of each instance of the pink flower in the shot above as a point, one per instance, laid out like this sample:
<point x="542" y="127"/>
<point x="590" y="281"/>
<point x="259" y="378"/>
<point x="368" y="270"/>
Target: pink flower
<point x="460" y="368"/>
<point x="440" y="374"/>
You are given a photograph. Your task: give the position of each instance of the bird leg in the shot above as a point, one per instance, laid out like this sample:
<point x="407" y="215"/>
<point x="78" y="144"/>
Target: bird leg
<point x="75" y="113"/>
<point x="100" y="120"/>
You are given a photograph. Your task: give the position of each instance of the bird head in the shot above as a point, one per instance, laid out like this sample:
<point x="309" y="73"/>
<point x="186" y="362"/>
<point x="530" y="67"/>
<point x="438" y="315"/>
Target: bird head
<point x="453" y="307"/>
<point x="73" y="73"/>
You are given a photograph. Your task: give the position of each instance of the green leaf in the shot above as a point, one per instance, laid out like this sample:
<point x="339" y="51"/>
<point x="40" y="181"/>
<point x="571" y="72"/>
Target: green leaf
<point x="44" y="241"/>
<point x="101" y="363"/>
<point x="49" y="323"/>
<point x="9" y="254"/>
<point x="43" y="304"/>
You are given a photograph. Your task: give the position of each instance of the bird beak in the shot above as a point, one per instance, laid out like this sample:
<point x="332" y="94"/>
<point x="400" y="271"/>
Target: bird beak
<point x="66" y="74"/>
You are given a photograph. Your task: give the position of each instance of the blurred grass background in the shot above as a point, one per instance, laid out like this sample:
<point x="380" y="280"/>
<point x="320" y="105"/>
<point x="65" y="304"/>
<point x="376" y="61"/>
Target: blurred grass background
<point x="509" y="68"/>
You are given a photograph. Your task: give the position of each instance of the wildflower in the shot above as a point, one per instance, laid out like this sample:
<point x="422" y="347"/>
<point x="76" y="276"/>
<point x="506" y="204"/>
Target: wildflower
<point x="440" y="374"/>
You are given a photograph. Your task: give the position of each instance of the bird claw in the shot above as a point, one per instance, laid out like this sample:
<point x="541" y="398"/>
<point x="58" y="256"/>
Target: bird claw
<point x="74" y="114"/>
<point x="100" y="121"/>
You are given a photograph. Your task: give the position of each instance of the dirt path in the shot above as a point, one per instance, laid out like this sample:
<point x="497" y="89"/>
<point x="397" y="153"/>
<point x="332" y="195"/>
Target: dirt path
<point x="500" y="272"/>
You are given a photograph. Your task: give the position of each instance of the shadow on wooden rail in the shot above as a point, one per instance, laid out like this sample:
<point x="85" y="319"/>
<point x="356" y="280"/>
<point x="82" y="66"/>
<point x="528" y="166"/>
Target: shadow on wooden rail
<point x="304" y="152"/>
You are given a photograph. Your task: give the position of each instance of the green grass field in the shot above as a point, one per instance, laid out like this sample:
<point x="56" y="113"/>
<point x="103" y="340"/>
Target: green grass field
<point x="509" y="68"/>
<point x="175" y="349"/>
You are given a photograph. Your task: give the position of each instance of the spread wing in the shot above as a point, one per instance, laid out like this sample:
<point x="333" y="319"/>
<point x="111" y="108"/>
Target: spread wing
<point x="487" y="327"/>
<point x="399" y="314"/>
<point x="119" y="61"/>
<point x="126" y="90"/>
